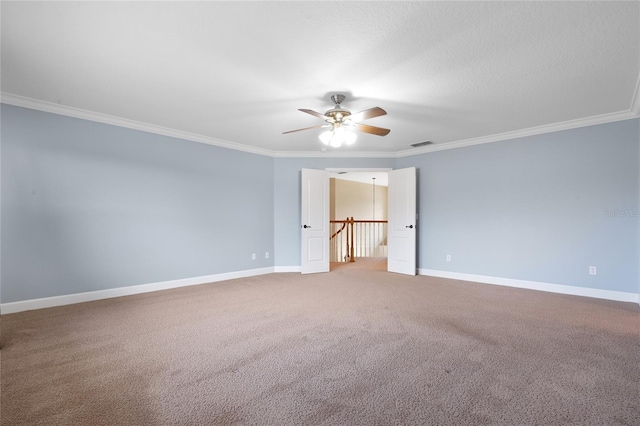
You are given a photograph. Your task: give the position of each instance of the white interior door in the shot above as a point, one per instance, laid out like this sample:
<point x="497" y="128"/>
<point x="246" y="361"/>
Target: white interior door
<point x="402" y="221"/>
<point x="315" y="221"/>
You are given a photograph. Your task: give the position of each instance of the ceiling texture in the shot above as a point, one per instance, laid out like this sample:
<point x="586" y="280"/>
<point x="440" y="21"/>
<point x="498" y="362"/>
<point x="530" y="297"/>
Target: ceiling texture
<point x="235" y="73"/>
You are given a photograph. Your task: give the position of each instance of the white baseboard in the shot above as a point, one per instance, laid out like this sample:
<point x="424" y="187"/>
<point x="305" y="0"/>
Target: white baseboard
<point x="619" y="296"/>
<point x="49" y="302"/>
<point x="68" y="299"/>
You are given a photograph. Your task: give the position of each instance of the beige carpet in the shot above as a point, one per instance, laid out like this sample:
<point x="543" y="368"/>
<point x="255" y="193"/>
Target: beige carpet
<point x="357" y="346"/>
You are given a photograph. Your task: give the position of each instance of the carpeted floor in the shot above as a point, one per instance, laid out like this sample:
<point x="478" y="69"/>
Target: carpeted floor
<point x="354" y="346"/>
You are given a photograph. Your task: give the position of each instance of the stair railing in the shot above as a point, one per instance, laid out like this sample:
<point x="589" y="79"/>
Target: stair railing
<point x="357" y="238"/>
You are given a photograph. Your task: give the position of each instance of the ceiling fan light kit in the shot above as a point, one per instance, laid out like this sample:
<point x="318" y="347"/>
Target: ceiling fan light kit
<point x="337" y="136"/>
<point x="341" y="123"/>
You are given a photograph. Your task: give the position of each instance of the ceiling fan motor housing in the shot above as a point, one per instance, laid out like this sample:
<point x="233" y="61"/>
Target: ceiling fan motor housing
<point x="337" y="114"/>
<point x="337" y="99"/>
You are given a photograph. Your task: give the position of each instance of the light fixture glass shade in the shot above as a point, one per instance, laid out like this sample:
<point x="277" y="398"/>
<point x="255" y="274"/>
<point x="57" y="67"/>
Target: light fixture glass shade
<point x="349" y="138"/>
<point x="325" y="137"/>
<point x="337" y="136"/>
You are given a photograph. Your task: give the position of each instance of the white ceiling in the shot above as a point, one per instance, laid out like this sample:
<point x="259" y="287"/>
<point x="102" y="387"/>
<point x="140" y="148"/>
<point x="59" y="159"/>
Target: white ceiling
<point x="235" y="73"/>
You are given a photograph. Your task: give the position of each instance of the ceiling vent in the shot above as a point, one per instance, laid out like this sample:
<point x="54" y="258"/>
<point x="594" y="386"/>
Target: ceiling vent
<point x="419" y="144"/>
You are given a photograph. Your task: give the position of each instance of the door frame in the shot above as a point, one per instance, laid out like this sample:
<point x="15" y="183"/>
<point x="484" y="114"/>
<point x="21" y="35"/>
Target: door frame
<point x="331" y="170"/>
<point x="358" y="169"/>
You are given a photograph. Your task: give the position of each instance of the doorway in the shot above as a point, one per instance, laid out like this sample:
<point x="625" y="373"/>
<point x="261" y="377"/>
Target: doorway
<point x="358" y="216"/>
<point x="314" y="212"/>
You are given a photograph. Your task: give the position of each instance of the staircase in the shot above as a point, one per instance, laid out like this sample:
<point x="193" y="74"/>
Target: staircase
<point x="351" y="239"/>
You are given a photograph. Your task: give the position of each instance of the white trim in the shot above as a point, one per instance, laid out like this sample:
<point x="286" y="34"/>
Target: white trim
<point x="635" y="101"/>
<point x="619" y="296"/>
<point x="21" y="101"/>
<point x="35" y="104"/>
<point x="363" y="169"/>
<point x="68" y="299"/>
<point x="532" y="131"/>
<point x="333" y="154"/>
<point x="38" y="105"/>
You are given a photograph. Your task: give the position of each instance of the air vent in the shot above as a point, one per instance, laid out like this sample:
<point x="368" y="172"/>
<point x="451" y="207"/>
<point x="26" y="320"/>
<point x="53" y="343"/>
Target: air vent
<point x="419" y="144"/>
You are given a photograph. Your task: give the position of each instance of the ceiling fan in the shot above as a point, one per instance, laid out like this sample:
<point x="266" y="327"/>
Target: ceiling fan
<point x="340" y="121"/>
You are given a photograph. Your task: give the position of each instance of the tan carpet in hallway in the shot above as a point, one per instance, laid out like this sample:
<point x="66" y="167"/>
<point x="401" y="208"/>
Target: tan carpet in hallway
<point x="355" y="346"/>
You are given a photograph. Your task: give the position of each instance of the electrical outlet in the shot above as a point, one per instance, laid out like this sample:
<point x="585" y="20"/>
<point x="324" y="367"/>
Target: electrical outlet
<point x="593" y="270"/>
<point x="253" y="256"/>
<point x="266" y="255"/>
<point x="448" y="258"/>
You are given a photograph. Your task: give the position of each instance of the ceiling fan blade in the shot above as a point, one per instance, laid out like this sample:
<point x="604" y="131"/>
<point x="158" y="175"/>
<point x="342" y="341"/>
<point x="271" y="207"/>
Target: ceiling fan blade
<point x="306" y="128"/>
<point x="312" y="112"/>
<point x="378" y="131"/>
<point x="368" y="113"/>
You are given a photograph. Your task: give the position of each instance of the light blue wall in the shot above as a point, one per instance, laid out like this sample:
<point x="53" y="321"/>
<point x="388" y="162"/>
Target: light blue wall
<point x="537" y="208"/>
<point x="287" y="198"/>
<point x="89" y="206"/>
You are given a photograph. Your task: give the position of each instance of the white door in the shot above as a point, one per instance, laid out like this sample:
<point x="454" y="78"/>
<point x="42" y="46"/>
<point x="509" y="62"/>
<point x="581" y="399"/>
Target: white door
<point x="402" y="221"/>
<point x="315" y="221"/>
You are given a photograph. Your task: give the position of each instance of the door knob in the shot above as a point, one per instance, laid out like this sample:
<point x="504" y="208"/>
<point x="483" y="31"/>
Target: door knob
<point x="306" y="226"/>
<point x="409" y="226"/>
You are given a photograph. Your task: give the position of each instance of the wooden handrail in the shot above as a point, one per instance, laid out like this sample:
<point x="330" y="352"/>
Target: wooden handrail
<point x="350" y="222"/>
<point x="370" y="221"/>
<point x="350" y="233"/>
<point x="358" y="221"/>
<point x="344" y="223"/>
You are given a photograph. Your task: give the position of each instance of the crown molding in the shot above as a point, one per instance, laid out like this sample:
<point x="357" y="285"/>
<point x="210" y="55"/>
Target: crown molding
<point x="532" y="131"/>
<point x="635" y="101"/>
<point x="25" y="102"/>
<point x="333" y="154"/>
<point x="21" y="101"/>
<point x="35" y="104"/>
